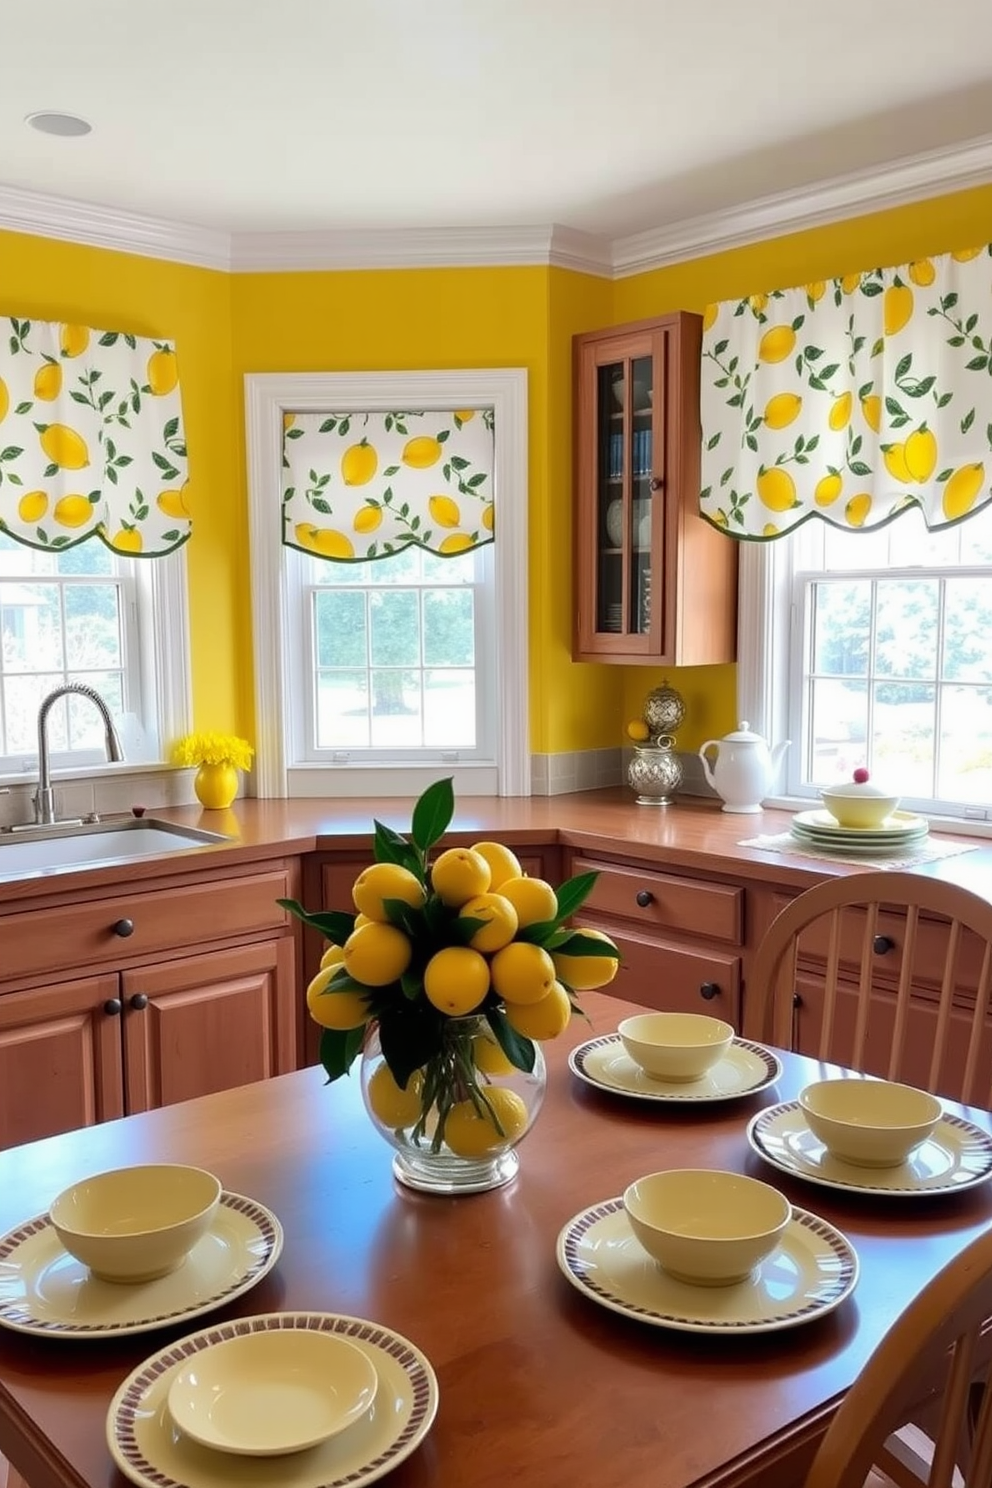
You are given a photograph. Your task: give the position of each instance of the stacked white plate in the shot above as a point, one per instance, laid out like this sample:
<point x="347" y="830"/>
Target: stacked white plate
<point x="819" y="829"/>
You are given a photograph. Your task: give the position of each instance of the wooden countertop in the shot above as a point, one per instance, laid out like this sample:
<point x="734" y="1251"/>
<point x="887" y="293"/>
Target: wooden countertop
<point x="687" y="835"/>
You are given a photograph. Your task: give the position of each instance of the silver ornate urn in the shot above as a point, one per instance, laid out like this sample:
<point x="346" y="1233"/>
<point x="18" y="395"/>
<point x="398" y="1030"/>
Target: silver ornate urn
<point x="655" y="771"/>
<point x="664" y="710"/>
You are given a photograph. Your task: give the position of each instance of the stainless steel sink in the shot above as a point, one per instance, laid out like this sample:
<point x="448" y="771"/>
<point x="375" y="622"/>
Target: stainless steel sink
<point x="51" y="849"/>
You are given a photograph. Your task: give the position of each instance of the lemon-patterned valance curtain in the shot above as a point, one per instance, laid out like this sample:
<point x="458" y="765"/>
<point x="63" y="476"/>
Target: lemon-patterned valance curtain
<point x="851" y="399"/>
<point x="91" y="439"/>
<point x="360" y="486"/>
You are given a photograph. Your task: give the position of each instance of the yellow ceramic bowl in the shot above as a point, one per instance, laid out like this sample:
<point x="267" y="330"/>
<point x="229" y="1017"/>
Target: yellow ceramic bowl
<point x="873" y="1123"/>
<point x="858" y="806"/>
<point x="132" y="1224"/>
<point x="705" y="1226"/>
<point x="675" y="1046"/>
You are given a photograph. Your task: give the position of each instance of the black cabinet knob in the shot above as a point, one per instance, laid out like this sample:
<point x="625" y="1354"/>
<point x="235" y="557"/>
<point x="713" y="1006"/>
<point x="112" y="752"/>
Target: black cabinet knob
<point x="797" y="1001"/>
<point x="882" y="945"/>
<point x="644" y="897"/>
<point x="708" y="991"/>
<point x="112" y="1007"/>
<point x="124" y="928"/>
<point x="139" y="1001"/>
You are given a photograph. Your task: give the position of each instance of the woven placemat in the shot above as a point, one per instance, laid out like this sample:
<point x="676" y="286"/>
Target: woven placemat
<point x="927" y="851"/>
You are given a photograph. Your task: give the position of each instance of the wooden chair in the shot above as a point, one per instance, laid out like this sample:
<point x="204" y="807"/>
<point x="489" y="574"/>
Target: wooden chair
<point x="926" y="1363"/>
<point x="884" y="972"/>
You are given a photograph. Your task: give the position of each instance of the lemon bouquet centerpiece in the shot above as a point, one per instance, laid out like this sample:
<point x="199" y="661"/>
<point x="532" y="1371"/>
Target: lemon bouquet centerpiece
<point x="446" y="979"/>
<point x="218" y="757"/>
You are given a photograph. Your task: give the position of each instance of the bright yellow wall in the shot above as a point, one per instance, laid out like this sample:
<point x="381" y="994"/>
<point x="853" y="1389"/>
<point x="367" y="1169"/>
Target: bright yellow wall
<point x="892" y="237"/>
<point x="51" y="280"/>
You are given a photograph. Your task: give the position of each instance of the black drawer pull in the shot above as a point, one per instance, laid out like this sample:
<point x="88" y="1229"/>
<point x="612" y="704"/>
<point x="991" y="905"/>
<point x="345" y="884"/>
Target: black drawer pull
<point x="644" y="897"/>
<point x="112" y="1007"/>
<point x="124" y="928"/>
<point x="797" y="1001"/>
<point x="708" y="991"/>
<point x="139" y="1001"/>
<point x="882" y="945"/>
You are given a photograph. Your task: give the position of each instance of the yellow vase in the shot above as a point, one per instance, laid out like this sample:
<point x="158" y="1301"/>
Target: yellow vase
<point x="216" y="786"/>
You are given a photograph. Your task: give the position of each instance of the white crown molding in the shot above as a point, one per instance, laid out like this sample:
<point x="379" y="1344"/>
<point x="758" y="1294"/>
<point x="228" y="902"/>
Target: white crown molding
<point x="934" y="173"/>
<point x="106" y="227"/>
<point x="902" y="182"/>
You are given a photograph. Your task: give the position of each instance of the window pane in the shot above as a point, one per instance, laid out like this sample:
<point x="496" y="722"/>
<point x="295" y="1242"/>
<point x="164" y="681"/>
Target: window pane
<point x="968" y="630"/>
<point x="838" y="728"/>
<point x="903" y="736"/>
<point x="32" y="627"/>
<point x="339" y="622"/>
<point x="449" y="630"/>
<point x="342" y="710"/>
<point x="86" y="730"/>
<point x="841" y="628"/>
<point x="395" y="617"/>
<point x="458" y="569"/>
<point x="449" y="709"/>
<point x="966" y="745"/>
<point x="396" y="716"/>
<point x="906" y="641"/>
<point x="22" y="697"/>
<point x="92" y="626"/>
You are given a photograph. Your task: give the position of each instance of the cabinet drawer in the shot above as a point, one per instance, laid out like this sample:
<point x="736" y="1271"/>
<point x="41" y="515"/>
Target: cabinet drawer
<point x="672" y="978"/>
<point x="82" y="936"/>
<point x="660" y="901"/>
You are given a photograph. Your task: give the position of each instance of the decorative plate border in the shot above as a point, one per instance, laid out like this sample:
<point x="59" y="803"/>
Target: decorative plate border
<point x="127" y="1404"/>
<point x="832" y="1293"/>
<point x="17" y="1316"/>
<point x="976" y="1142"/>
<point x="577" y="1064"/>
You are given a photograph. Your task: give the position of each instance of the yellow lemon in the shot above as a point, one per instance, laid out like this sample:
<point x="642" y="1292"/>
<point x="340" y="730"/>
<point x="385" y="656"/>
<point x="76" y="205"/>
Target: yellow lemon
<point x="776" y="344"/>
<point x="962" y="255"/>
<point x="501" y="1119"/>
<point x="500" y="921"/>
<point x="922" y="272"/>
<point x="816" y="290"/>
<point x="921" y="454"/>
<point x="488" y="517"/>
<point x="288" y="420"/>
<point x="386" y="881"/>
<point x="444" y="511"/>
<point x="961" y="490"/>
<point x="74" y="340"/>
<point x="897" y="308"/>
<point x="850" y="283"/>
<point x="533" y="899"/>
<point x="456" y="980"/>
<point x="871" y="407"/>
<point x="895" y="463"/>
<point x="377" y="954"/>
<point x="72" y="511"/>
<point x="781" y="410"/>
<point x="4" y="400"/>
<point x="127" y="540"/>
<point x="421" y="452"/>
<point x="173" y="504"/>
<point x="503" y="864"/>
<point x="758" y="302"/>
<point x="362" y="919"/>
<point x="828" y="489"/>
<point x="542" y="1020"/>
<point x="162" y="372"/>
<point x="338" y="1010"/>
<point x="769" y="530"/>
<point x="367" y="519"/>
<point x="777" y="489"/>
<point x="48" y="382"/>
<point x="394" y="1105"/>
<point x="840" y="411"/>
<point x="64" y="447"/>
<point x="459" y="874"/>
<point x="585" y="973"/>
<point x="463" y="415"/>
<point x="857" y="509"/>
<point x="638" y="730"/>
<point x="459" y="542"/>
<point x="33" y="506"/>
<point x="333" y="956"/>
<point x="326" y="541"/>
<point x="359" y="464"/>
<point x="522" y="972"/>
<point x="488" y="1057"/>
<point x="709" y="316"/>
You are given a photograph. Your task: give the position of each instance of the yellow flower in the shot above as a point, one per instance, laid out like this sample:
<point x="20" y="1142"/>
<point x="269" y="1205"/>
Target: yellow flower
<point x="212" y="749"/>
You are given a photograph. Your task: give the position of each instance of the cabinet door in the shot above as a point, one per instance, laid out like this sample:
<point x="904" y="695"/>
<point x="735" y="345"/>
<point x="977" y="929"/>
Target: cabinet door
<point x="672" y="978"/>
<point x="60" y="1058"/>
<point x="209" y="1022"/>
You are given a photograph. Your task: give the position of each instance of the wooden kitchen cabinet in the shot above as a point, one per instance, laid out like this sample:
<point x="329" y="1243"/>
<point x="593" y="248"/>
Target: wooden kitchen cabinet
<point x="192" y="988"/>
<point x="654" y="583"/>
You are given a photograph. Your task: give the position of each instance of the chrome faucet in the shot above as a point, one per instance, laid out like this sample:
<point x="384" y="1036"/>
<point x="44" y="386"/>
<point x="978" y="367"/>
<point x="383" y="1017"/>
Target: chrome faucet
<point x="44" y="801"/>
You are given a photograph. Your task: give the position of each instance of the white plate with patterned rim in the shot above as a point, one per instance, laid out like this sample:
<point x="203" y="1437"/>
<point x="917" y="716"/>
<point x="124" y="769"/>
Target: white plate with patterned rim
<point x="151" y="1451"/>
<point x="956" y="1156"/>
<point x="809" y="1273"/>
<point x="605" y="1064"/>
<point x="44" y="1290"/>
<point x="893" y="829"/>
<point x="852" y="849"/>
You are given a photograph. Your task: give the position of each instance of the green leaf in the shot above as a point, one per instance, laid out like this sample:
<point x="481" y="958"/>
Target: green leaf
<point x="573" y="892"/>
<point x="410" y="1035"/>
<point x="389" y="847"/>
<point x="462" y="929"/>
<point x="578" y="944"/>
<point x="338" y="1050"/>
<point x="410" y="920"/>
<point x="432" y="814"/>
<point x="518" y="1049"/>
<point x="334" y="924"/>
<point x="541" y="932"/>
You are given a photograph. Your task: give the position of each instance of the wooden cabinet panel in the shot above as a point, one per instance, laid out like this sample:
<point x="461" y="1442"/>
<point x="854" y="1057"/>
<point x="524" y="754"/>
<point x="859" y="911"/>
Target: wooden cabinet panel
<point x="210" y="1022"/>
<point x="60" y="1059"/>
<point x="672" y="977"/>
<point x="663" y="901"/>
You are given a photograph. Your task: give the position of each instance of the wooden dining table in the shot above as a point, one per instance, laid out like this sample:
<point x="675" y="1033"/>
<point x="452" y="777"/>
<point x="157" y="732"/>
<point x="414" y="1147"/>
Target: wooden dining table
<point x="538" y="1384"/>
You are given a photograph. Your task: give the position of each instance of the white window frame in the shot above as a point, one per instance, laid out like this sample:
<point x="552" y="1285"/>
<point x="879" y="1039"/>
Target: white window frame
<point x="267" y="397"/>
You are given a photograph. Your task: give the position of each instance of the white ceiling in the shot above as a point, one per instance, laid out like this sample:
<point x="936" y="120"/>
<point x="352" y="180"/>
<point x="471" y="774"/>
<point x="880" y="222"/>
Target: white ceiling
<point x="611" y="118"/>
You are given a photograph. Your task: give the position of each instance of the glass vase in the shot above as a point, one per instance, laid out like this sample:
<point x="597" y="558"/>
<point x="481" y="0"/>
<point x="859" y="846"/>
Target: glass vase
<point x="423" y="1159"/>
<point x="216" y="786"/>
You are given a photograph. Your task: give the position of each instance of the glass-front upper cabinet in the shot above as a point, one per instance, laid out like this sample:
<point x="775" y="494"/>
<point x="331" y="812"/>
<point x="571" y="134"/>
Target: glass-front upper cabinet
<point x="636" y="514"/>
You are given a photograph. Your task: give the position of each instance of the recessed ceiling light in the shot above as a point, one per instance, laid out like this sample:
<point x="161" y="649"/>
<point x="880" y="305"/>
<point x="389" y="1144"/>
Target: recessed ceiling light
<point x="48" y="121"/>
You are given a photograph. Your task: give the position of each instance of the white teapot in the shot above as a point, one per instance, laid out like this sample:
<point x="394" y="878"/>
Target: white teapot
<point x="744" y="768"/>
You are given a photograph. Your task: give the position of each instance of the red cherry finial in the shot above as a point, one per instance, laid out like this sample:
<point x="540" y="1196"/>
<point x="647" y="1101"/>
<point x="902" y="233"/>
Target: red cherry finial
<point x="860" y="775"/>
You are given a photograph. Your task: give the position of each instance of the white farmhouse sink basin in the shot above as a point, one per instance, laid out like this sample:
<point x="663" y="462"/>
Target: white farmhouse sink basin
<point x="49" y="850"/>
